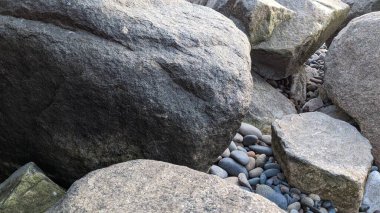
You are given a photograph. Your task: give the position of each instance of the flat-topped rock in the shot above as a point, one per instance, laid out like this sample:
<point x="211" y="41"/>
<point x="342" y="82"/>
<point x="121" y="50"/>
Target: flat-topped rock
<point x="324" y="156"/>
<point x="352" y="76"/>
<point x="28" y="190"/>
<point x="152" y="186"/>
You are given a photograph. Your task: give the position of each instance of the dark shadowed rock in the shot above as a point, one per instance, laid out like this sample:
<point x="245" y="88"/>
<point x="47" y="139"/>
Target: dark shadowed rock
<point x="86" y="84"/>
<point x="324" y="156"/>
<point x="151" y="186"/>
<point x="353" y="75"/>
<point x="336" y="113"/>
<point x="361" y="7"/>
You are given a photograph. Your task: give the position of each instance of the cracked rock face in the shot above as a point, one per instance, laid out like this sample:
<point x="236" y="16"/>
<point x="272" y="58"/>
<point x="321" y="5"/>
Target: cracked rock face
<point x="86" y="84"/>
<point x="324" y="156"/>
<point x="146" y="185"/>
<point x="353" y="75"/>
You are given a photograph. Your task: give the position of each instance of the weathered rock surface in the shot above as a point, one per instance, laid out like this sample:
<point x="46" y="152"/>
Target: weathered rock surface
<point x="86" y="84"/>
<point x="257" y="18"/>
<point x="28" y="190"/>
<point x="353" y="75"/>
<point x="151" y="186"/>
<point x="267" y="105"/>
<point x="283" y="33"/>
<point x="295" y="40"/>
<point x="324" y="156"/>
<point x="372" y="192"/>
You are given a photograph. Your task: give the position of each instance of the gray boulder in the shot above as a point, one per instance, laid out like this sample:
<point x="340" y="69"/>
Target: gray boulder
<point x="267" y="105"/>
<point x="357" y="8"/>
<point x="283" y="33"/>
<point x="324" y="156"/>
<point x="372" y="192"/>
<point x="294" y="41"/>
<point x="86" y="84"/>
<point x="361" y="7"/>
<point x="28" y="190"/>
<point x="257" y="18"/>
<point x="152" y="186"/>
<point x="352" y="77"/>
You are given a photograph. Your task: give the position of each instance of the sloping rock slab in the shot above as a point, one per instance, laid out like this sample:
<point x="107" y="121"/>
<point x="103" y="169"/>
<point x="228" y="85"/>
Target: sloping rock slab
<point x="267" y="105"/>
<point x="28" y="190"/>
<point x="152" y="186"/>
<point x="87" y="84"/>
<point x="352" y="77"/>
<point x="324" y="156"/>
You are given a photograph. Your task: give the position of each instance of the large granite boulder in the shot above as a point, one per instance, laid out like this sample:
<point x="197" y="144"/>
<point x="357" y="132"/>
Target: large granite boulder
<point x="152" y="186"/>
<point x="283" y="33"/>
<point x="28" y="190"/>
<point x="352" y="77"/>
<point x="86" y="84"/>
<point x="268" y="104"/>
<point x="324" y="156"/>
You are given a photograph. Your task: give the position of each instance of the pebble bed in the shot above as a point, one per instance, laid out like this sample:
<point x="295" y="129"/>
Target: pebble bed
<point x="249" y="163"/>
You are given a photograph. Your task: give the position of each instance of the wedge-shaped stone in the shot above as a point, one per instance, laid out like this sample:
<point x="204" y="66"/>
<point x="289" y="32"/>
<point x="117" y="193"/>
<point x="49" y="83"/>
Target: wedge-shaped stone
<point x="324" y="156"/>
<point x="28" y="190"/>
